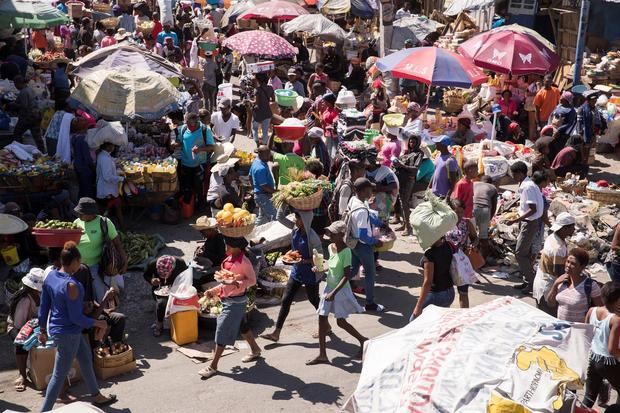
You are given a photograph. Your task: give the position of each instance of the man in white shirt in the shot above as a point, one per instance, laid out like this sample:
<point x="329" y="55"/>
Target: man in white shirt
<point x="225" y="124"/>
<point x="531" y="206"/>
<point x="108" y="180"/>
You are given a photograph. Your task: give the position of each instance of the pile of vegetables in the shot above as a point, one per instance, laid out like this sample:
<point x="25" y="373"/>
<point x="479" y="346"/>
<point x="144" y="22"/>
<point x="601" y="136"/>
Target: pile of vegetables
<point x="138" y="247"/>
<point x="274" y="275"/>
<point x="299" y="190"/>
<point x="55" y="224"/>
<point x="111" y="349"/>
<point x="234" y="217"/>
<point x="272" y="257"/>
<point x="213" y="305"/>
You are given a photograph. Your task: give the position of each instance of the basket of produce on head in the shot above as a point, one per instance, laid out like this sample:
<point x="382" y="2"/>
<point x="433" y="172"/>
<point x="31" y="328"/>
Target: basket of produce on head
<point x="303" y="196"/>
<point x="291" y="129"/>
<point x="235" y="222"/>
<point x="387" y="237"/>
<point x="54" y="233"/>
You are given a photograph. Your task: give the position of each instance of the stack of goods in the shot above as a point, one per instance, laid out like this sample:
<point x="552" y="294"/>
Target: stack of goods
<point x="235" y="222"/>
<point x="42" y="174"/>
<point x="140" y="248"/>
<point x="462" y="29"/>
<point x="303" y="196"/>
<point x="113" y="359"/>
<point x="351" y="125"/>
<point x="603" y="69"/>
<point x="150" y="174"/>
<point x="453" y="100"/>
<point x="48" y="58"/>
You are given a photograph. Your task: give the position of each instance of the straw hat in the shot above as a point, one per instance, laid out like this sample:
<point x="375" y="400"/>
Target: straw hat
<point x="204" y="222"/>
<point x="121" y="34"/>
<point x="222" y="151"/>
<point x="10" y="224"/>
<point x="223" y="167"/>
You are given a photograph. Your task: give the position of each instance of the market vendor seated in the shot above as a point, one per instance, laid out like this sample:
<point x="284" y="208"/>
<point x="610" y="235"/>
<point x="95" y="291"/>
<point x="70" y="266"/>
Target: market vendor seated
<point x="223" y="186"/>
<point x="570" y="159"/>
<point x="463" y="134"/>
<point x="59" y="207"/>
<point x="161" y="273"/>
<point x="213" y="251"/>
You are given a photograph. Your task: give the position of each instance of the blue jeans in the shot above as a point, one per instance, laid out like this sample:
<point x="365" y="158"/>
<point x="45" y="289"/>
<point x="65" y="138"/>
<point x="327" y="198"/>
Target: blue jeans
<point x="264" y="126"/>
<point x="364" y="255"/>
<point x="266" y="210"/>
<point x="439" y="298"/>
<point x="69" y="347"/>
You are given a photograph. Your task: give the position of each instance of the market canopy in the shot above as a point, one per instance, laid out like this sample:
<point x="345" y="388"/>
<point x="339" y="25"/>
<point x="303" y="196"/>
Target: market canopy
<point x="30" y="14"/>
<point x="125" y="56"/>
<point x="127" y="94"/>
<point x="261" y="44"/>
<point x="501" y="356"/>
<point x="364" y="9"/>
<point x="279" y="10"/>
<point x="231" y="14"/>
<point x="415" y="28"/>
<point x="315" y="25"/>
<point x="432" y="66"/>
<point x="512" y="50"/>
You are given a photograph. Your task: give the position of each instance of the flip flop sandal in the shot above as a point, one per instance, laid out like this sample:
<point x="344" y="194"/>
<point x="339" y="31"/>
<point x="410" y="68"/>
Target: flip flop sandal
<point x="106" y="401"/>
<point x="251" y="357"/>
<point x="20" y="385"/>
<point x="207" y="372"/>
<point x="317" y="361"/>
<point x="269" y="337"/>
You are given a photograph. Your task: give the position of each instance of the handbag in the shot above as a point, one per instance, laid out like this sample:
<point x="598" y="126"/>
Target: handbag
<point x="475" y="257"/>
<point x="461" y="270"/>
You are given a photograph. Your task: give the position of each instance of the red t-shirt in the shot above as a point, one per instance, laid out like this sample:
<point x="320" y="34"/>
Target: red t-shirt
<point x="464" y="190"/>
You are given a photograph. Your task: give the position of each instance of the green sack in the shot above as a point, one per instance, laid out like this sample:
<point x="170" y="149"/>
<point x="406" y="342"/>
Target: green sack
<point x="431" y="220"/>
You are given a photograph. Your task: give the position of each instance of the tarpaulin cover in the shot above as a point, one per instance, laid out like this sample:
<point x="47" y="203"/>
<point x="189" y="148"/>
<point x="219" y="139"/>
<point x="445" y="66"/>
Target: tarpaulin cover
<point x="314" y="25"/>
<point x="502" y="356"/>
<point x="415" y="28"/>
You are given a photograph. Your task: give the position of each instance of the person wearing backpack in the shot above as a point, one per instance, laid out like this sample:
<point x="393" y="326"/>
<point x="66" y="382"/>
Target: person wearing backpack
<point x="575" y="292"/>
<point x="344" y="190"/>
<point x="195" y="140"/>
<point x="360" y="223"/>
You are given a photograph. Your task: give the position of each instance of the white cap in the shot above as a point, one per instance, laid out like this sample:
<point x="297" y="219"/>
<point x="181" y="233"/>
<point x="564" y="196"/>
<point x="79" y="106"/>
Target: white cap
<point x="562" y="220"/>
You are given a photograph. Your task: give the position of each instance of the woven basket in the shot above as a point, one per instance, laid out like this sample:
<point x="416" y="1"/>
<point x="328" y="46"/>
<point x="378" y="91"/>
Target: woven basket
<point x="102" y="7"/>
<point x="307" y="203"/>
<point x="578" y="188"/>
<point x="606" y="196"/>
<point x="116" y="360"/>
<point x="236" y="232"/>
<point x="453" y="104"/>
<point x="110" y="22"/>
<point x="145" y="27"/>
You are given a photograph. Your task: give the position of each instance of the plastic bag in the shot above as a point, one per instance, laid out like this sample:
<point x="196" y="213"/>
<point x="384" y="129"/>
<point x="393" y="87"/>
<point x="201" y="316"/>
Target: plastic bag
<point x="461" y="270"/>
<point x="105" y="131"/>
<point x="193" y="55"/>
<point x="183" y="295"/>
<point x="431" y="220"/>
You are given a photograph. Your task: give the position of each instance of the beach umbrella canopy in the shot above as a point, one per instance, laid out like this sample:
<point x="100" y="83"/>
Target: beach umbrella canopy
<point x="125" y="56"/>
<point x="432" y="66"/>
<point x="30" y="14"/>
<point x="415" y="28"/>
<point x="514" y="50"/>
<point x="231" y="14"/>
<point x="315" y="25"/>
<point x="127" y="94"/>
<point x="501" y="356"/>
<point x="260" y="43"/>
<point x="274" y="10"/>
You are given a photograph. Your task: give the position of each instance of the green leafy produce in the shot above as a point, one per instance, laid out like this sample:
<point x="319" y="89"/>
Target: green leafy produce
<point x="299" y="190"/>
<point x="275" y="275"/>
<point x="55" y="224"/>
<point x="138" y="247"/>
<point x="272" y="257"/>
<point x="13" y="285"/>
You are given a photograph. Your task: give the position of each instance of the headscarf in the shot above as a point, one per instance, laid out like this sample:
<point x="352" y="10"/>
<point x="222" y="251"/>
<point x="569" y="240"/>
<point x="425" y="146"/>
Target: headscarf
<point x="465" y="122"/>
<point x="513" y="127"/>
<point x="414" y="107"/>
<point x="567" y="96"/>
<point x="165" y="266"/>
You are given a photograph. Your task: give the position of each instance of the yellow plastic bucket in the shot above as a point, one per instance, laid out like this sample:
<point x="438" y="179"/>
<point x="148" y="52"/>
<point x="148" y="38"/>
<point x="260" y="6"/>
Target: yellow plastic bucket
<point x="9" y="255"/>
<point x="184" y="327"/>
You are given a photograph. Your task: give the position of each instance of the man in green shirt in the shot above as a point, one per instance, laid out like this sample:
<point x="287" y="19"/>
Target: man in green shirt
<point x="284" y="161"/>
<point x="91" y="245"/>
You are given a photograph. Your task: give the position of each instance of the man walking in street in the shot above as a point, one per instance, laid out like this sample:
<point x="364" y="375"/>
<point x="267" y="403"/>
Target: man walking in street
<point x="531" y="207"/>
<point x="209" y="87"/>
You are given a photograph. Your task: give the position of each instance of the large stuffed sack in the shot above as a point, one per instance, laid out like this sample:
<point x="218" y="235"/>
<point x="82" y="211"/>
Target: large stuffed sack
<point x="431" y="220"/>
<point x="105" y="131"/>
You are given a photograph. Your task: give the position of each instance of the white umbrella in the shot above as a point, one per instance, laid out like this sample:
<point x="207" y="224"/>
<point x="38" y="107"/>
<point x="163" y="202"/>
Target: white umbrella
<point x="315" y="25"/>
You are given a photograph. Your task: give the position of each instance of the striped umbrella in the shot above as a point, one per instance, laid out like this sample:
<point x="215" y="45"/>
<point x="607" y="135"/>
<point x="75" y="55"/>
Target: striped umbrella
<point x="432" y="66"/>
<point x="127" y="94"/>
<point x="19" y="14"/>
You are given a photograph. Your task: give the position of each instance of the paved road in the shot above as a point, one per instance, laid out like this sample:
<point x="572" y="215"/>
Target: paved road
<point x="166" y="381"/>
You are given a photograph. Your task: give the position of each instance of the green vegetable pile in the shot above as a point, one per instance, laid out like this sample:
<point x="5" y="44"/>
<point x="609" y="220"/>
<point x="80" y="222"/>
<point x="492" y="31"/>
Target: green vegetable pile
<point x="275" y="275"/>
<point x="138" y="247"/>
<point x="299" y="190"/>
<point x="272" y="257"/>
<point x="55" y="224"/>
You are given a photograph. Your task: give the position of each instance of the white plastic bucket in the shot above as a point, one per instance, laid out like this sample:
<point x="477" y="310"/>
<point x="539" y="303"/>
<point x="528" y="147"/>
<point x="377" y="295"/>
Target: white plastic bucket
<point x="224" y="91"/>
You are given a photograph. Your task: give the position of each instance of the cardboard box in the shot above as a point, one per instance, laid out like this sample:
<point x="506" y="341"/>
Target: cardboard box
<point x="41" y="366"/>
<point x="107" y="372"/>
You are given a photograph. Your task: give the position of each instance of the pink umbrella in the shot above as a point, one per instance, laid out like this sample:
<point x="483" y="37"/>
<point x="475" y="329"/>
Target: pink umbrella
<point x="274" y="10"/>
<point x="510" y="51"/>
<point x="261" y="44"/>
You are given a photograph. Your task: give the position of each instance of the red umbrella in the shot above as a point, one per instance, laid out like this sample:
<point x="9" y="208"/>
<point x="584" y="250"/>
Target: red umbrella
<point x="274" y="10"/>
<point x="260" y="43"/>
<point x="510" y="51"/>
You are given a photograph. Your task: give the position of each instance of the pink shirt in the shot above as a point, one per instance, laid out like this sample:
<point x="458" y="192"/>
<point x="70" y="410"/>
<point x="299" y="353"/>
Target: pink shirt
<point x="508" y="108"/>
<point x="244" y="275"/>
<point x="107" y="41"/>
<point x="390" y="149"/>
<point x="329" y="117"/>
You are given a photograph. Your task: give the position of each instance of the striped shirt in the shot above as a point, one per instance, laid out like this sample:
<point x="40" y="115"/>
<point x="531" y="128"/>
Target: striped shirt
<point x="573" y="303"/>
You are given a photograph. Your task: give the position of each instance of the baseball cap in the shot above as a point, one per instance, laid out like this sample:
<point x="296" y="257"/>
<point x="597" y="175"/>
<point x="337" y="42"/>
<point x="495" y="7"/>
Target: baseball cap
<point x="562" y="220"/>
<point x="443" y="139"/>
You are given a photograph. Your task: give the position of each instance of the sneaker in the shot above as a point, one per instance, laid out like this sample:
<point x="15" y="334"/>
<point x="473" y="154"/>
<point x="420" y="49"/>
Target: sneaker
<point x="375" y="308"/>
